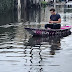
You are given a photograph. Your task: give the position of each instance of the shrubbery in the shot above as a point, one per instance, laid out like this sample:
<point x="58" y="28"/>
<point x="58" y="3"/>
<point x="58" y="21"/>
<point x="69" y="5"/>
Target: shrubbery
<point x="44" y="2"/>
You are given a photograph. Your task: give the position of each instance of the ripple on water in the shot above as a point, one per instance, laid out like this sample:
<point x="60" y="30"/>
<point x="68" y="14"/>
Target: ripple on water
<point x="20" y="53"/>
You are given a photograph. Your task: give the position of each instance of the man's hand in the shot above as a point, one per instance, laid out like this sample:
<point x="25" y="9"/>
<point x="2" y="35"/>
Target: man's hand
<point x="59" y="21"/>
<point x="50" y="21"/>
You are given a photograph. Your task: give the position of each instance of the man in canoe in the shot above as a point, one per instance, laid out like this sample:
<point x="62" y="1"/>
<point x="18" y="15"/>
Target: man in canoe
<point x="55" y="20"/>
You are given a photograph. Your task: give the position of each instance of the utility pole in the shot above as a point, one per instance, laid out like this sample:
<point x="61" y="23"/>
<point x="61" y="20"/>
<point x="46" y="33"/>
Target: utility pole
<point x="19" y="10"/>
<point x="19" y="4"/>
<point x="54" y="3"/>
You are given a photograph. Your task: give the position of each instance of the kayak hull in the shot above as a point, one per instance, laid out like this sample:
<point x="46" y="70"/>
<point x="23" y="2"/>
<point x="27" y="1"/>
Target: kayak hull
<point x="65" y="30"/>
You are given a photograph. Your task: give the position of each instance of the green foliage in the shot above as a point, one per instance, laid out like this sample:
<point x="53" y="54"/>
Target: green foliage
<point x="44" y="2"/>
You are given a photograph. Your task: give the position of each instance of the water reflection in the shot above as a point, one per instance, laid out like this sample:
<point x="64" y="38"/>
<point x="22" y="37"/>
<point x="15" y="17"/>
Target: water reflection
<point x="19" y="52"/>
<point x="53" y="42"/>
<point x="34" y="16"/>
<point x="41" y="49"/>
<point x="6" y="33"/>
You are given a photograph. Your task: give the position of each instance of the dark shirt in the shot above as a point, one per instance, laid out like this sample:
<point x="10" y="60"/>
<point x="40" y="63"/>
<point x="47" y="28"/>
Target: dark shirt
<point x="55" y="17"/>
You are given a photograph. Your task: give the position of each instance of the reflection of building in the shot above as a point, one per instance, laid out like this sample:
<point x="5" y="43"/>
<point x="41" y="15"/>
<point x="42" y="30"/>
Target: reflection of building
<point x="6" y="5"/>
<point x="45" y="14"/>
<point x="56" y="0"/>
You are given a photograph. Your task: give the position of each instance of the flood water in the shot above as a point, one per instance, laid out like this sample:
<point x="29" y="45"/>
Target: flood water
<point x="20" y="52"/>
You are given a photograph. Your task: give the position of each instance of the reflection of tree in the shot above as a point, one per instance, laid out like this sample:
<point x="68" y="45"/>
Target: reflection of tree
<point x="33" y="15"/>
<point x="38" y="40"/>
<point x="35" y="43"/>
<point x="8" y="31"/>
<point x="7" y="17"/>
<point x="55" y="45"/>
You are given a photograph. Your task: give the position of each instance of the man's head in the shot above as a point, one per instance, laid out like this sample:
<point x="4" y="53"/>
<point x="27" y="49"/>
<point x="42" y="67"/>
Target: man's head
<point x="52" y="11"/>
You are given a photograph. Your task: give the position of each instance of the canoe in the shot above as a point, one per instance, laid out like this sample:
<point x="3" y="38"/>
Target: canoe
<point x="64" y="30"/>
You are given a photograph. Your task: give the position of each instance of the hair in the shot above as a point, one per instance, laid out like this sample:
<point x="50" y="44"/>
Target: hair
<point x="52" y="9"/>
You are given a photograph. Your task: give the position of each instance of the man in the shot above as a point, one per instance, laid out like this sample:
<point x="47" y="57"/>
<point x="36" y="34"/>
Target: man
<point x="55" y="20"/>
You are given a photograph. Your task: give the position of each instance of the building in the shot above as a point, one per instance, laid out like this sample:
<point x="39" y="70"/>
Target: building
<point x="69" y="4"/>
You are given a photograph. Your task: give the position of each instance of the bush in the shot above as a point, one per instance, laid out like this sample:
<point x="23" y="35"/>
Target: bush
<point x="44" y="2"/>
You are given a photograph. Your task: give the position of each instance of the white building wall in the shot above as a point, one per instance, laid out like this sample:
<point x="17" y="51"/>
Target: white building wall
<point x="46" y="0"/>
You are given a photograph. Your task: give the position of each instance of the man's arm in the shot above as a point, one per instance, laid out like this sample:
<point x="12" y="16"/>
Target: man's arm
<point x="59" y="21"/>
